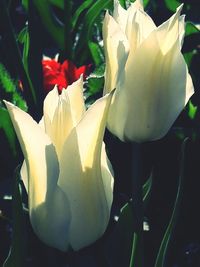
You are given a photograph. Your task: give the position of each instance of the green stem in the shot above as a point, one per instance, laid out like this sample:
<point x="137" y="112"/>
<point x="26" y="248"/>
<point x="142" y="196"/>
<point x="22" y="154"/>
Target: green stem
<point x="137" y="255"/>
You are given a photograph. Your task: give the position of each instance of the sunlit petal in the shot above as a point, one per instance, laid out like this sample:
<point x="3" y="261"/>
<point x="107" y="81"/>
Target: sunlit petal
<point x="45" y="198"/>
<point x="168" y="32"/>
<point x="116" y="51"/>
<point x="162" y="97"/>
<point x="81" y="177"/>
<point x="139" y="26"/>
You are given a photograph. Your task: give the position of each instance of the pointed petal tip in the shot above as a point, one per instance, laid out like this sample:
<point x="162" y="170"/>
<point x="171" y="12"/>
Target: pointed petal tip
<point x="54" y="91"/>
<point x="179" y="9"/>
<point x="9" y="105"/>
<point x="107" y="16"/>
<point x="77" y="83"/>
<point x="138" y="4"/>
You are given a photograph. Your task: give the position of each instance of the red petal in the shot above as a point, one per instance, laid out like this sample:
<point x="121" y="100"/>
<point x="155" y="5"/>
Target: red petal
<point x="82" y="70"/>
<point x="69" y="70"/>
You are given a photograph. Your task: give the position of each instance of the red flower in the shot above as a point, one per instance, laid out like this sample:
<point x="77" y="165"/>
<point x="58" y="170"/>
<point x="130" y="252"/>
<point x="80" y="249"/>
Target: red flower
<point x="61" y="74"/>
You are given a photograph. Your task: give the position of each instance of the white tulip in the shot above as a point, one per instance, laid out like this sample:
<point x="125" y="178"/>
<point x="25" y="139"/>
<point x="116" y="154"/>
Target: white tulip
<point x="145" y="65"/>
<point x="66" y="171"/>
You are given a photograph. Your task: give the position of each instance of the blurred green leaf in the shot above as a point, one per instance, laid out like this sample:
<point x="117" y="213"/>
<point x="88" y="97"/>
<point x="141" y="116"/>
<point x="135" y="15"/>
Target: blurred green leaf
<point x="49" y="20"/>
<point x="6" y="81"/>
<point x="92" y="14"/>
<point x="17" y="100"/>
<point x="12" y="47"/>
<point x="16" y="257"/>
<point x="6" y="125"/>
<point x="58" y="3"/>
<point x="95" y="83"/>
<point x="10" y="88"/>
<point x="145" y="2"/>
<point x="192" y="37"/>
<point x="161" y="257"/>
<point x="192" y="110"/>
<point x="24" y="39"/>
<point x="86" y="4"/>
<point x="96" y="52"/>
<point x="99" y="71"/>
<point x="68" y="43"/>
<point x="190" y="29"/>
<point x="172" y="4"/>
<point x="189" y="56"/>
<point x="25" y="4"/>
<point x="123" y="3"/>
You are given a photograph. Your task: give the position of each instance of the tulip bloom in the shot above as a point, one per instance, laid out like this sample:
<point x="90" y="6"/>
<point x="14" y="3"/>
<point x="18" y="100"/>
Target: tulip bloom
<point x="61" y="74"/>
<point x="66" y="171"/>
<point x="145" y="65"/>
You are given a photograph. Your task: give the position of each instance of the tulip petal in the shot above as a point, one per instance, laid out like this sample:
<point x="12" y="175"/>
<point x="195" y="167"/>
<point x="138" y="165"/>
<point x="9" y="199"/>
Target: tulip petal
<point x="81" y="177"/>
<point x="107" y="176"/>
<point x="189" y="86"/>
<point x="57" y="118"/>
<point x="50" y="105"/>
<point x="67" y="109"/>
<point x="181" y="29"/>
<point x="161" y="86"/>
<point x="120" y="15"/>
<point x="116" y="51"/>
<point x="24" y="175"/>
<point x="169" y="31"/>
<point x="75" y="94"/>
<point x="47" y="202"/>
<point x="139" y="25"/>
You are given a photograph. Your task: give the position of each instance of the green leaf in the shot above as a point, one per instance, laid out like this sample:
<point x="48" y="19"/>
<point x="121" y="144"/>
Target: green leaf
<point x="190" y="29"/>
<point x="146" y="189"/>
<point x="172" y="4"/>
<point x="6" y="81"/>
<point x="25" y="4"/>
<point x="119" y="244"/>
<point x="49" y="20"/>
<point x="123" y="3"/>
<point x="96" y="52"/>
<point x="16" y="255"/>
<point x="89" y="20"/>
<point x="192" y="110"/>
<point x="95" y="83"/>
<point x="136" y="256"/>
<point x="10" y="88"/>
<point x="58" y="3"/>
<point x="15" y="56"/>
<point x="160" y="260"/>
<point x="189" y="56"/>
<point x="6" y="125"/>
<point x="145" y="3"/>
<point x="24" y="39"/>
<point x="86" y="4"/>
<point x="17" y="100"/>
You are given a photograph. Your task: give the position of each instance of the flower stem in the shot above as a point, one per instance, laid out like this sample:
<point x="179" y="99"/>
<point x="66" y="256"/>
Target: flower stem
<point x="137" y="256"/>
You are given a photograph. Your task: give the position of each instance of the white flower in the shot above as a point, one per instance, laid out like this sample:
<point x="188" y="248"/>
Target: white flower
<point x="66" y="171"/>
<point x="145" y="64"/>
